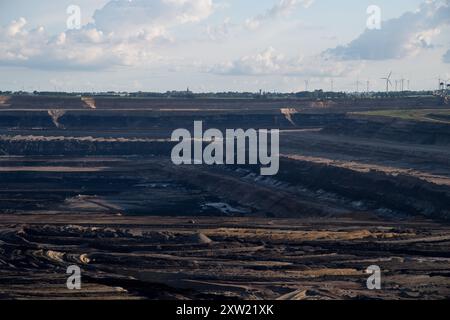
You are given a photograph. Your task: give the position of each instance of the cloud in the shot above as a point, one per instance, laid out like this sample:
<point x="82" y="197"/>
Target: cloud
<point x="263" y="63"/>
<point x="88" y="48"/>
<point x="269" y="63"/>
<point x="220" y="31"/>
<point x="400" y="37"/>
<point x="446" y="57"/>
<point x="131" y="18"/>
<point x="123" y="33"/>
<point x="282" y="8"/>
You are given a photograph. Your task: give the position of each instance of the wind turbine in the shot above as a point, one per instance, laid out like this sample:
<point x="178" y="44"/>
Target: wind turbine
<point x="402" y="82"/>
<point x="357" y="85"/>
<point x="368" y="86"/>
<point x="388" y="81"/>
<point x="441" y="84"/>
<point x="306" y="85"/>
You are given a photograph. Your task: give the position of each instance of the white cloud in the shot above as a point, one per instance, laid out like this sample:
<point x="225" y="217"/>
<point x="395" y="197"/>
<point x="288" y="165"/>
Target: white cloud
<point x="400" y="37"/>
<point x="282" y="8"/>
<point x="269" y="62"/>
<point x="123" y="33"/>
<point x="132" y="18"/>
<point x="220" y="31"/>
<point x="15" y="27"/>
<point x="84" y="49"/>
<point x="264" y="63"/>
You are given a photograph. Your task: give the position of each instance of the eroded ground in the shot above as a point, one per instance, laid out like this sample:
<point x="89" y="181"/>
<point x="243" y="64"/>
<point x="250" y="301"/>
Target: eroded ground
<point x="212" y="258"/>
<point x="90" y="182"/>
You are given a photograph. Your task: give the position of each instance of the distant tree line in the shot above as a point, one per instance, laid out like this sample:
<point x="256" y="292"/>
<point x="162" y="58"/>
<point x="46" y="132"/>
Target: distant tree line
<point x="307" y="95"/>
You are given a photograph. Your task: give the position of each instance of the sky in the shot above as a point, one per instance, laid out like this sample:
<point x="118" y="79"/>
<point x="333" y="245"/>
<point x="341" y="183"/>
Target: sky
<point x="223" y="45"/>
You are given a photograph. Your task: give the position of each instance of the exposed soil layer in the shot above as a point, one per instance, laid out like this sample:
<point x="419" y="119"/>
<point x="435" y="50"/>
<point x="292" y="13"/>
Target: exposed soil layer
<point x="89" y="181"/>
<point x="216" y="258"/>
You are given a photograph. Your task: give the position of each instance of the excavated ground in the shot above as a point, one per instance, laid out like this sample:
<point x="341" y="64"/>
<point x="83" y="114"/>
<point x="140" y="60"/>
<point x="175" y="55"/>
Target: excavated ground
<point x="90" y="182"/>
<point x="220" y="258"/>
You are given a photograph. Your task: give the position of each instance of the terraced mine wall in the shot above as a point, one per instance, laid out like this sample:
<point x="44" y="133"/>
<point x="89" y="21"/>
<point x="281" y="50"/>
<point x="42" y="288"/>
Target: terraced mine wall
<point x="161" y="124"/>
<point x="91" y="183"/>
<point x="85" y="147"/>
<point x="168" y="121"/>
<point x="404" y="194"/>
<point x="389" y="103"/>
<point x="141" y="128"/>
<point x="389" y="128"/>
<point x="45" y="102"/>
<point x="264" y="104"/>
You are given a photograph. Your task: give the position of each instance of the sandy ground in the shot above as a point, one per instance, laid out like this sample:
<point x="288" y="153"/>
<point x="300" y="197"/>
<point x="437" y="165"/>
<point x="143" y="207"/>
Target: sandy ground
<point x="129" y="257"/>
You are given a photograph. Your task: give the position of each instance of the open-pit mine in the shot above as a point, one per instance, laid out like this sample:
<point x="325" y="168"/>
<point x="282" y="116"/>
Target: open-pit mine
<point x="89" y="181"/>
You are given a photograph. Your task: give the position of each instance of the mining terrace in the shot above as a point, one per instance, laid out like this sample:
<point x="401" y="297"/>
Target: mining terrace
<point x="89" y="182"/>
